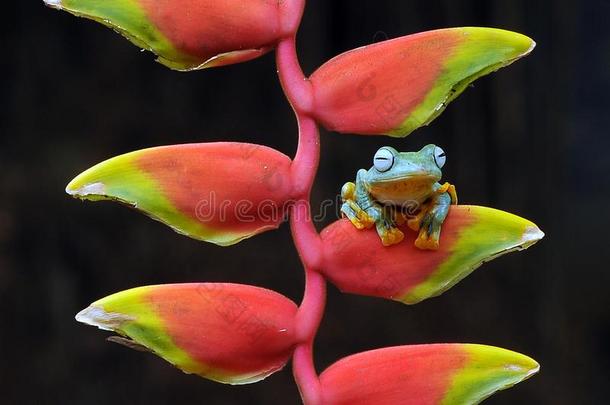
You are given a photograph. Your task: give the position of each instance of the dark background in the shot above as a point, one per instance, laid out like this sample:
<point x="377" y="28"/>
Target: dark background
<point x="531" y="139"/>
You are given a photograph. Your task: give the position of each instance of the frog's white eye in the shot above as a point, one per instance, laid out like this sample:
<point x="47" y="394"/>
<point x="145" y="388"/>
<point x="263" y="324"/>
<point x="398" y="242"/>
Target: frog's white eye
<point x="383" y="160"/>
<point x="439" y="157"/>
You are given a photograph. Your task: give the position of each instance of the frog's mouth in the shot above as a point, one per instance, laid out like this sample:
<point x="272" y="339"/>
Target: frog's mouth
<point x="411" y="178"/>
<point x="397" y="189"/>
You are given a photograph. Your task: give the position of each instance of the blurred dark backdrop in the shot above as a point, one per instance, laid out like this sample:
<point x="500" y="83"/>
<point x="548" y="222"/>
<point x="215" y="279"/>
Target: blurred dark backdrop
<point x="531" y="139"/>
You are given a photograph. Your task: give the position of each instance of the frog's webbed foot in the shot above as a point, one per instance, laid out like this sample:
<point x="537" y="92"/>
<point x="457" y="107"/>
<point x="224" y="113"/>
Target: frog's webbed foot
<point x="358" y="217"/>
<point x="428" y="227"/>
<point x="387" y="229"/>
<point x="390" y="235"/>
<point x="350" y="208"/>
<point x="431" y="216"/>
<point x="429" y="233"/>
<point x="415" y="222"/>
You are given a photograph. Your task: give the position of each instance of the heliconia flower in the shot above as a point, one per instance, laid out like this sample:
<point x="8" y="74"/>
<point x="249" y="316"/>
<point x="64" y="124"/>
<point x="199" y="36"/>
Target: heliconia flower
<point x="396" y="86"/>
<point x="230" y="333"/>
<point x="357" y="262"/>
<point x="442" y="374"/>
<point x="194" y="34"/>
<point x="217" y="192"/>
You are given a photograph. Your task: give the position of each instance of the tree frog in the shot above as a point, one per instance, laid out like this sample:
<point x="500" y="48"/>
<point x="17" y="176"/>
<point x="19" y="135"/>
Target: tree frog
<point x="401" y="187"/>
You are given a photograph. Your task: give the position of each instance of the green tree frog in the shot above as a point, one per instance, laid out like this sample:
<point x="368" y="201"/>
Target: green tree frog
<point x="401" y="187"/>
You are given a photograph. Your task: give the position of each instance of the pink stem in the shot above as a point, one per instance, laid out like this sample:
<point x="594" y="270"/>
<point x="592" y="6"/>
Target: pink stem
<point x="304" y="168"/>
<point x="305" y="374"/>
<point x="296" y="86"/>
<point x="308" y="321"/>
<point x="299" y="92"/>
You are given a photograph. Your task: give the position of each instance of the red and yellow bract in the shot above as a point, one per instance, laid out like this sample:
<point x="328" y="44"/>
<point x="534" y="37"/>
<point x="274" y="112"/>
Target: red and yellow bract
<point x="229" y="333"/>
<point x="195" y="34"/>
<point x="396" y="86"/>
<point x="218" y="192"/>
<point x="424" y="375"/>
<point x="357" y="262"/>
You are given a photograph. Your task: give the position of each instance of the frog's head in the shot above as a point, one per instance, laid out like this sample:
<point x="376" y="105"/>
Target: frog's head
<point x="398" y="175"/>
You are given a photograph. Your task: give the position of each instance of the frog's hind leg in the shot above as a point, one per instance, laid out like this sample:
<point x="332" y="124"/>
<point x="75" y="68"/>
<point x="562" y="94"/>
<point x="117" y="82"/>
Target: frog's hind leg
<point x="387" y="230"/>
<point x="415" y="222"/>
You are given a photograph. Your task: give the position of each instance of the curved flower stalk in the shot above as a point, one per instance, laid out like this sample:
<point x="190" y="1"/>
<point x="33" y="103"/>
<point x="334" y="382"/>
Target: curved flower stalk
<point x="240" y="334"/>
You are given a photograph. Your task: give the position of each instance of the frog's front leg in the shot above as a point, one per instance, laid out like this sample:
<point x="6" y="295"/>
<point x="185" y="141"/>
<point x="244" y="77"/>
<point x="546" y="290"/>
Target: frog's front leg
<point x="358" y="217"/>
<point x="350" y="208"/>
<point x="383" y="216"/>
<point x="431" y="218"/>
<point x="374" y="213"/>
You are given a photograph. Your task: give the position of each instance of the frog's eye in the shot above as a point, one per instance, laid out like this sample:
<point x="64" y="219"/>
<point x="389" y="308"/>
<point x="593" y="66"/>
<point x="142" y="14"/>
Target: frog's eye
<point x="383" y="160"/>
<point x="439" y="157"/>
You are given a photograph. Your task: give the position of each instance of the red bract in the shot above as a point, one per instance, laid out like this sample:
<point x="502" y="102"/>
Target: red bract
<point x="220" y="32"/>
<point x="424" y="375"/>
<point x="229" y="333"/>
<point x="218" y="192"/>
<point x="396" y="86"/>
<point x="195" y="34"/>
<point x="357" y="262"/>
<point x="225" y="192"/>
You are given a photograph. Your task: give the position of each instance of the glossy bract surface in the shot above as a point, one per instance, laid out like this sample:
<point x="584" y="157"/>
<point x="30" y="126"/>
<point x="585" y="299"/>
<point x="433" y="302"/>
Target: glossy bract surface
<point x="396" y="86"/>
<point x="443" y="374"/>
<point x="193" y="34"/>
<point x="229" y="333"/>
<point x="216" y="192"/>
<point x="357" y="262"/>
